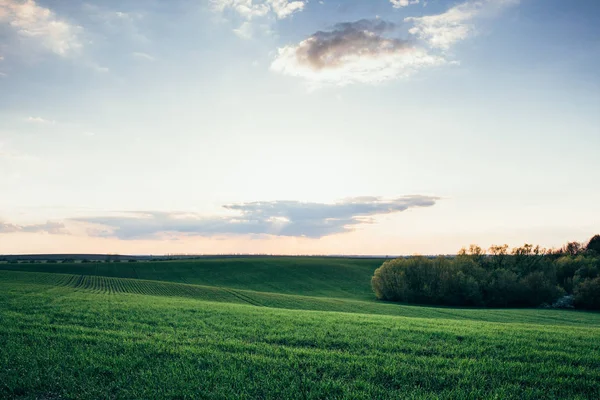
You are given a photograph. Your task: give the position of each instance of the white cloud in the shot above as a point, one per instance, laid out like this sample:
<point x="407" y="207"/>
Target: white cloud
<point x="250" y="9"/>
<point x="353" y="52"/>
<point x="246" y="8"/>
<point x="144" y="56"/>
<point x="444" y="30"/>
<point x="266" y="11"/>
<point x="285" y="8"/>
<point x="52" y="228"/>
<point x="403" y="3"/>
<point x="40" y="120"/>
<point x="280" y="218"/>
<point x="245" y="31"/>
<point x="32" y="21"/>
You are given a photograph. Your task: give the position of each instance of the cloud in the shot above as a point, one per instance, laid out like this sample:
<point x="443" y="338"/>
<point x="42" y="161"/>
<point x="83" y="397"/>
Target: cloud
<point x="143" y="56"/>
<point x="353" y="52"/>
<point x="249" y="9"/>
<point x="444" y="30"/>
<point x="403" y="3"/>
<point x="365" y="51"/>
<point x="32" y="21"/>
<point x="266" y="11"/>
<point x="285" y="8"/>
<point x="280" y="218"/>
<point x="39" y="120"/>
<point x="117" y="25"/>
<point x="52" y="228"/>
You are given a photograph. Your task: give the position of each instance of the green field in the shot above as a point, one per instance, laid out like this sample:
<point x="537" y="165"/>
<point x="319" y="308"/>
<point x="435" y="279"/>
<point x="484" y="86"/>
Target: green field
<point x="308" y="276"/>
<point x="280" y="328"/>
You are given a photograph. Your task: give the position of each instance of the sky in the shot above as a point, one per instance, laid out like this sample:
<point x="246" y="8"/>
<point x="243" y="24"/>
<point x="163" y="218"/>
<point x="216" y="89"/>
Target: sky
<point x="380" y="127"/>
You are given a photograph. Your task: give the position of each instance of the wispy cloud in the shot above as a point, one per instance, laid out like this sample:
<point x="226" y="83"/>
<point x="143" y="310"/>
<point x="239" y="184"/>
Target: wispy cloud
<point x="280" y="218"/>
<point x="53" y="228"/>
<point x="285" y="8"/>
<point x="40" y="120"/>
<point x="458" y="23"/>
<point x="33" y="22"/>
<point x="403" y="3"/>
<point x="361" y="51"/>
<point x="143" y="56"/>
<point x="256" y="15"/>
<point x="125" y="25"/>
<point x="250" y="9"/>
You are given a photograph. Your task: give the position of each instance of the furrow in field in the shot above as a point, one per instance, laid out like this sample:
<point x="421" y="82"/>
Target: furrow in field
<point x="242" y="297"/>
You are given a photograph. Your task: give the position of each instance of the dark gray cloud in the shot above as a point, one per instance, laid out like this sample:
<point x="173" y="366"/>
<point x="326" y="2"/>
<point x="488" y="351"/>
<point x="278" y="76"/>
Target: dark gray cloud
<point x="280" y="218"/>
<point x="53" y="228"/>
<point x="361" y="51"/>
<point x="362" y="38"/>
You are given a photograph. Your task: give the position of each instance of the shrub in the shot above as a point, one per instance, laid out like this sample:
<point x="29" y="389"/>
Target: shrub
<point x="587" y="294"/>
<point x="527" y="276"/>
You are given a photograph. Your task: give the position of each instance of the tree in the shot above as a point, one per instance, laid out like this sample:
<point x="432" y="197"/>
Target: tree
<point x="594" y="245"/>
<point x="587" y="294"/>
<point x="498" y="255"/>
<point x="573" y="248"/>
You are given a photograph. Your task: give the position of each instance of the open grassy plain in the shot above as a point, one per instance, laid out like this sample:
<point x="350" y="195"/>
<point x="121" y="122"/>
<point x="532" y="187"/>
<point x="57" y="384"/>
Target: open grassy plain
<point x="83" y="335"/>
<point x="309" y="276"/>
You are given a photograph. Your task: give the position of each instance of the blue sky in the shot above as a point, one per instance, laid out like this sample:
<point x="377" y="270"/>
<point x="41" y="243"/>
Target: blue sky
<point x="297" y="127"/>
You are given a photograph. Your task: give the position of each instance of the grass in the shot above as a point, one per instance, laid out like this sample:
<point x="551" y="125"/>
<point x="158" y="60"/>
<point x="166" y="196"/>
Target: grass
<point x="87" y="337"/>
<point x="307" y="276"/>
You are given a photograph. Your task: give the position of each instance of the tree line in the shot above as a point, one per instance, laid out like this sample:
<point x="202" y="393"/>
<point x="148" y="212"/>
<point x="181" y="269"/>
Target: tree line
<point x="526" y="276"/>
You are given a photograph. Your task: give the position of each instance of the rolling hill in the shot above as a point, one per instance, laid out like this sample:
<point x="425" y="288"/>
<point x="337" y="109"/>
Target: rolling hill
<point x="271" y="328"/>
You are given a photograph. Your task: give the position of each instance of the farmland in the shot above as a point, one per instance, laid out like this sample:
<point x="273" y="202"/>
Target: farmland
<point x="311" y="276"/>
<point x="209" y="329"/>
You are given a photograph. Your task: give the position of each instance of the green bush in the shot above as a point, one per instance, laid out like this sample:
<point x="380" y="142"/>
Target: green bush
<point x="587" y="294"/>
<point x="527" y="276"/>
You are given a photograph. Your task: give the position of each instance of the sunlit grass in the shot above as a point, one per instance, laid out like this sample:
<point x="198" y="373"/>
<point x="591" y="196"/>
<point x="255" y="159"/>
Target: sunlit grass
<point x="61" y="340"/>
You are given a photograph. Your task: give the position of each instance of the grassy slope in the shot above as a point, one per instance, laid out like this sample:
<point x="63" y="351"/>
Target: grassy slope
<point x="64" y="342"/>
<point x="245" y="333"/>
<point x="307" y="276"/>
<point x="108" y="285"/>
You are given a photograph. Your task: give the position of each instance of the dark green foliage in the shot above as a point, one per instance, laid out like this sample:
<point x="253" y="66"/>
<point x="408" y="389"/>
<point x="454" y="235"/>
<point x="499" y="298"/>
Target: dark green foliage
<point x="525" y="277"/>
<point x="594" y="245"/>
<point x="587" y="294"/>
